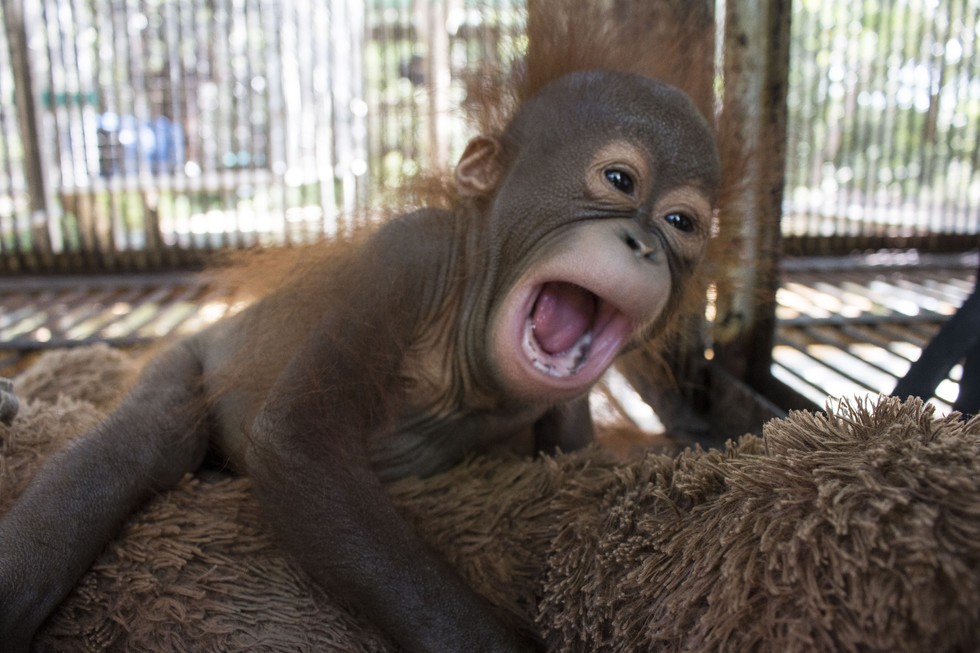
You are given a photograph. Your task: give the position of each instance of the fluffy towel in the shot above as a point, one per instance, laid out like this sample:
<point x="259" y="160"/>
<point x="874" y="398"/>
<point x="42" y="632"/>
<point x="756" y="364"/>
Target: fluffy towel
<point x="857" y="530"/>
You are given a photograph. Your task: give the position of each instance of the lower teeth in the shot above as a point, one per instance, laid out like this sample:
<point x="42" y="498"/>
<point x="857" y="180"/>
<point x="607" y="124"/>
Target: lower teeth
<point x="564" y="364"/>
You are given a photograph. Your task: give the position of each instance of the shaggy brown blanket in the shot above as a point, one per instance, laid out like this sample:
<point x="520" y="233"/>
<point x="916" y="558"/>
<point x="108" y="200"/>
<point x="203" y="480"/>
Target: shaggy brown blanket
<point x="854" y="531"/>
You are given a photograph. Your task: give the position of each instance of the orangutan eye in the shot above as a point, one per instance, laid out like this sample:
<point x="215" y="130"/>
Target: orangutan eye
<point x="620" y="180"/>
<point x="680" y="221"/>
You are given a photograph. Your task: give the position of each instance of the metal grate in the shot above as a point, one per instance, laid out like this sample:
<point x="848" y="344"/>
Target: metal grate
<point x="854" y="326"/>
<point x="51" y="312"/>
<point x="134" y="136"/>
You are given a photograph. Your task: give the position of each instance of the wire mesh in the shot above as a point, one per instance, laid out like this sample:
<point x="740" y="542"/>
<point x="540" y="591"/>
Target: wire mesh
<point x="169" y="128"/>
<point x="884" y="126"/>
<point x="143" y="134"/>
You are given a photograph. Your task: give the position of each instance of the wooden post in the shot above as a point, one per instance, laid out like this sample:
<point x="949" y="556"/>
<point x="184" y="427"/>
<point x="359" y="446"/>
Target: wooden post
<point x="753" y="136"/>
<point x="27" y="121"/>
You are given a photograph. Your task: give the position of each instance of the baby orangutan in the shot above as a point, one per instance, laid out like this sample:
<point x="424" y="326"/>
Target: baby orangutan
<point x="443" y="332"/>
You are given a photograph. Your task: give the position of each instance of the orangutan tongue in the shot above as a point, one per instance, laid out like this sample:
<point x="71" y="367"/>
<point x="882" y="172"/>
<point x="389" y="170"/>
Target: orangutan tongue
<point x="562" y="314"/>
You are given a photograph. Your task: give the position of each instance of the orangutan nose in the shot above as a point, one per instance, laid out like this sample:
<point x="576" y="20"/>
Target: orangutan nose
<point x="640" y="248"/>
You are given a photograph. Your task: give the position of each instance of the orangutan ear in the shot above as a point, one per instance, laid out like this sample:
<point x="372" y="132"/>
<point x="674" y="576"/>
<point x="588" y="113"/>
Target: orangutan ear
<point x="478" y="170"/>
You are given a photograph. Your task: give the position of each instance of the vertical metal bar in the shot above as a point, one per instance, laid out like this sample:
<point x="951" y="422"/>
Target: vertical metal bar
<point x="326" y="134"/>
<point x="84" y="136"/>
<point x="879" y="135"/>
<point x="930" y="152"/>
<point x="829" y="122"/>
<point x="970" y="57"/>
<point x="335" y="59"/>
<point x="802" y="169"/>
<point x="912" y="187"/>
<point x="273" y="21"/>
<point x="892" y="118"/>
<point x="225" y="101"/>
<point x="12" y="255"/>
<point x="237" y="126"/>
<point x="410" y="119"/>
<point x="355" y="13"/>
<point x="845" y="124"/>
<point x="187" y="187"/>
<point x="146" y="198"/>
<point x="387" y="80"/>
<point x="175" y="147"/>
<point x="117" y="20"/>
<point x="959" y="136"/>
<point x="252" y="138"/>
<point x="437" y="85"/>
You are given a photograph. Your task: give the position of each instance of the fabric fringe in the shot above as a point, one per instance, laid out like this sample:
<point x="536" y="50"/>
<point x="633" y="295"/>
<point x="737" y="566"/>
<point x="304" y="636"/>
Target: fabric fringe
<point x="853" y="529"/>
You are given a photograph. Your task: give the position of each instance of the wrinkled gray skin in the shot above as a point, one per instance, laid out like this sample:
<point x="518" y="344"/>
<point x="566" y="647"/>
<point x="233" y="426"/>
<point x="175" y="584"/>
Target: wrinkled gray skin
<point x="401" y="361"/>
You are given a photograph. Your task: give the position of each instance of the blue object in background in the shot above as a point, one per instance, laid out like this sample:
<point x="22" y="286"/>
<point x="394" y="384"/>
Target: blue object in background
<point x="128" y="144"/>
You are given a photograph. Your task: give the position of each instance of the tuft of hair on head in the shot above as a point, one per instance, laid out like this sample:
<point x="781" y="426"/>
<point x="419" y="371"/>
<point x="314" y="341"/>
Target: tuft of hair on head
<point x="672" y="41"/>
<point x="668" y="40"/>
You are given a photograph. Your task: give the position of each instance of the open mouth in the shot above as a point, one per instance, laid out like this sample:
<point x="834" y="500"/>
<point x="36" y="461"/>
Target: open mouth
<point x="565" y="324"/>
